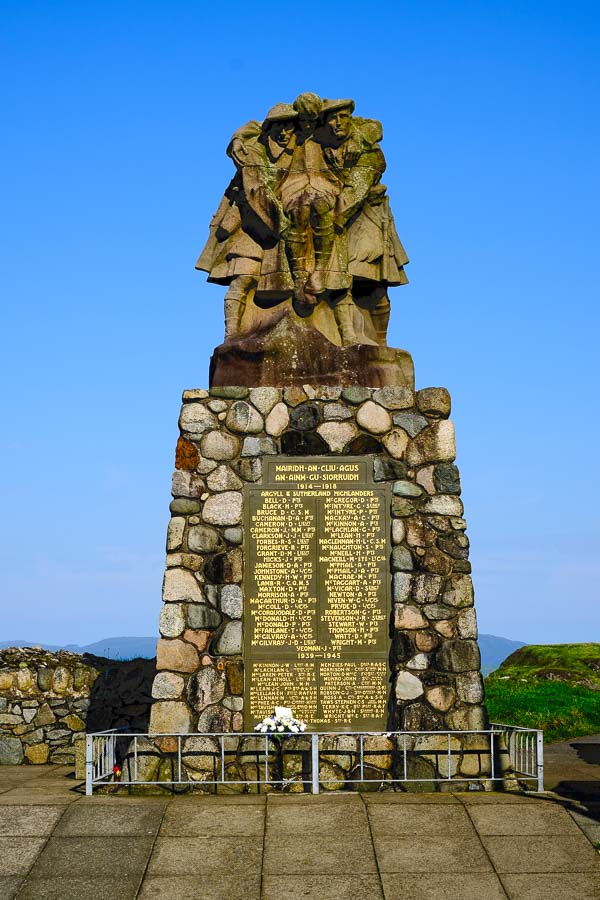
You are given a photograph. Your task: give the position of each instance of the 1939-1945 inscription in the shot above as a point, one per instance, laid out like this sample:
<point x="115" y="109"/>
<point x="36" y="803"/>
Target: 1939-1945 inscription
<point x="317" y="594"/>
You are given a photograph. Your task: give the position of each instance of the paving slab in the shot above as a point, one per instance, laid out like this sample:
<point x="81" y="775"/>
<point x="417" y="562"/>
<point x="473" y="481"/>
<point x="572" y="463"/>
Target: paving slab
<point x="322" y="887"/>
<point x="181" y="819"/>
<point x="575" y="886"/>
<point x="390" y="819"/>
<point x="200" y="856"/>
<point x="530" y="819"/>
<point x="495" y="797"/>
<point x="314" y="854"/>
<point x="322" y="819"/>
<point x="427" y="886"/>
<point x="79" y="888"/>
<point x="550" y="853"/>
<point x="90" y="821"/>
<point x="409" y="798"/>
<point x="29" y="821"/>
<point x="451" y="854"/>
<point x="17" y="854"/>
<point x="98" y="857"/>
<point x="9" y="885"/>
<point x="205" y="887"/>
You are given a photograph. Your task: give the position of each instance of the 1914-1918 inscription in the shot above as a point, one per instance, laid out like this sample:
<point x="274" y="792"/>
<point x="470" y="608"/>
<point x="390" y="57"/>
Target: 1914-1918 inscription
<point x="317" y="595"/>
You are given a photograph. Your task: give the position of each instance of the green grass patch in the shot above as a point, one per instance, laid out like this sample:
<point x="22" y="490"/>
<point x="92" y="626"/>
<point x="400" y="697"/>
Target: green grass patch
<point x="563" y="710"/>
<point x="567" y="662"/>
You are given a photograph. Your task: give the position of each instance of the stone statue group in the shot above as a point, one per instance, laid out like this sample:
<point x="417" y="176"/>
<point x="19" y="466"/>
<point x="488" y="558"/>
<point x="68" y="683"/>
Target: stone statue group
<point x="306" y="221"/>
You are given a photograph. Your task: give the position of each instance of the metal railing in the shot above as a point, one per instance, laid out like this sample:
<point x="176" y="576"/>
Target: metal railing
<point x="502" y="750"/>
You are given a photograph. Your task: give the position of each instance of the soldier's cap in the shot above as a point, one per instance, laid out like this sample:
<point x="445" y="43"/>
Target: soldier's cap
<point x="280" y="112"/>
<point x="330" y="106"/>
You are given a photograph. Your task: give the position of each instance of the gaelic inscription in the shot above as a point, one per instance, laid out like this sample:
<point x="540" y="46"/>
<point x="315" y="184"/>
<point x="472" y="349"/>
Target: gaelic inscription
<point x="316" y="618"/>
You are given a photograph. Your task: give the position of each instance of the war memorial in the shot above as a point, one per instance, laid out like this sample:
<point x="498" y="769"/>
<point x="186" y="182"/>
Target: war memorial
<point x="316" y="555"/>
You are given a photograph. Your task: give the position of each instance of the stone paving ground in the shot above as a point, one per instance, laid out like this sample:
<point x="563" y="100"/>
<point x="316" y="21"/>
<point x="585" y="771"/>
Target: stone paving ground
<point x="57" y="843"/>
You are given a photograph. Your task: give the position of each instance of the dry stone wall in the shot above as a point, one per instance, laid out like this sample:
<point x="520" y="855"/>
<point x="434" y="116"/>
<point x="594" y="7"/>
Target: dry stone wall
<point x="48" y="700"/>
<point x="225" y="434"/>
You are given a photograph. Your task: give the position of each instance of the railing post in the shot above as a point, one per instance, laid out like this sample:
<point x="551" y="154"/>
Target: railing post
<point x="314" y="771"/>
<point x="89" y="764"/>
<point x="540" y="760"/>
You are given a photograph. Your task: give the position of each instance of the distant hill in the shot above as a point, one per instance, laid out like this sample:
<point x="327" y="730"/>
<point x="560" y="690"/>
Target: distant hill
<point x="493" y="649"/>
<point x="111" y="647"/>
<point x="571" y="663"/>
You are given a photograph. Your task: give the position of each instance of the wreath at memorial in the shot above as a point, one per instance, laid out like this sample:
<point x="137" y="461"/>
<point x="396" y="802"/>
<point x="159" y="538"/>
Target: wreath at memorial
<point x="281" y="721"/>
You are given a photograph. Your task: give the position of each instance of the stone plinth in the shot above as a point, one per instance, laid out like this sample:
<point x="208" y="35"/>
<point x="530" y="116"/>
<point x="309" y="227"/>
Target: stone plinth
<point x="291" y="352"/>
<point x="408" y="441"/>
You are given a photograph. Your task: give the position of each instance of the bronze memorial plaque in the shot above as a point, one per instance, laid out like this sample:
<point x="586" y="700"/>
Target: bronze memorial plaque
<point x="317" y="593"/>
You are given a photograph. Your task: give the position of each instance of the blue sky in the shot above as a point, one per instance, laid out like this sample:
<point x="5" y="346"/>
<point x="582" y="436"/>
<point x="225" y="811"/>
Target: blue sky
<point x="111" y="164"/>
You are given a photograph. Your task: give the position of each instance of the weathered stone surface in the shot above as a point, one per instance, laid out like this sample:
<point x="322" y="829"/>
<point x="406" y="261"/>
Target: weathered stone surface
<point x="441" y="697"/>
<point x="195" y="394"/>
<point x="305" y="417"/>
<point x="419" y="662"/>
<point x="409" y="617"/>
<point x="435" y="561"/>
<point x="469" y="718"/>
<point x="427" y="588"/>
<point x="294" y="395"/>
<point x="356" y="395"/>
<point x="334" y="412"/>
<point x="455" y="545"/>
<point x="467" y="623"/>
<point x="374" y="418"/>
<point x="218" y="406"/>
<point x="408" y="686"/>
<point x="243" y="418"/>
<point x="195" y="418"/>
<point x="394" y="397"/>
<point x="458" y="591"/>
<point x="167" y="686"/>
<point x="385" y="469"/>
<point x="406" y="489"/>
<point x="223" y="509"/>
<point x="11" y="751"/>
<point x="458" y="656"/>
<point x="172" y="619"/>
<point x="425" y="479"/>
<point x="362" y="445"/>
<point x="186" y="455"/>
<point x="230" y="640"/>
<point x="201" y="616"/>
<point x="234" y="535"/>
<point x="171" y="717"/>
<point x="398" y="531"/>
<point x="192" y="561"/>
<point x="184" y="506"/>
<point x="198" y="638"/>
<point x="434" y="401"/>
<point x="470" y="687"/>
<point x="443" y="505"/>
<point x="426" y="641"/>
<point x="201" y="754"/>
<point x="402" y="560"/>
<point x="176" y="656"/>
<point x="303" y="443"/>
<point x="37" y="754"/>
<point x="207" y="687"/>
<point x="62" y="680"/>
<point x="204" y="539"/>
<point x="433" y="444"/>
<point x="410" y="422"/>
<point x="223" y="479"/>
<point x="232" y="601"/>
<point x="277" y="420"/>
<point x="402" y="507"/>
<point x="44" y="716"/>
<point x="337" y="434"/>
<point x="180" y="586"/>
<point x="186" y="484"/>
<point x="218" y="445"/>
<point x="265" y="398"/>
<point x="447" y="478"/>
<point x="396" y="442"/>
<point x="175" y="533"/>
<point x="229" y="392"/>
<point x="258" y="446"/>
<point x="206" y="465"/>
<point x="401" y="586"/>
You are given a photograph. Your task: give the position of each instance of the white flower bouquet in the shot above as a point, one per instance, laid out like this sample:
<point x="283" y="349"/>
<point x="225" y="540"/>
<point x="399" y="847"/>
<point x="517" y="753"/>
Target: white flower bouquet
<point x="282" y="721"/>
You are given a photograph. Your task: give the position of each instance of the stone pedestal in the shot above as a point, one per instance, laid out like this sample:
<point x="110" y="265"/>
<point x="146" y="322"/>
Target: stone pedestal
<point x="408" y="441"/>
